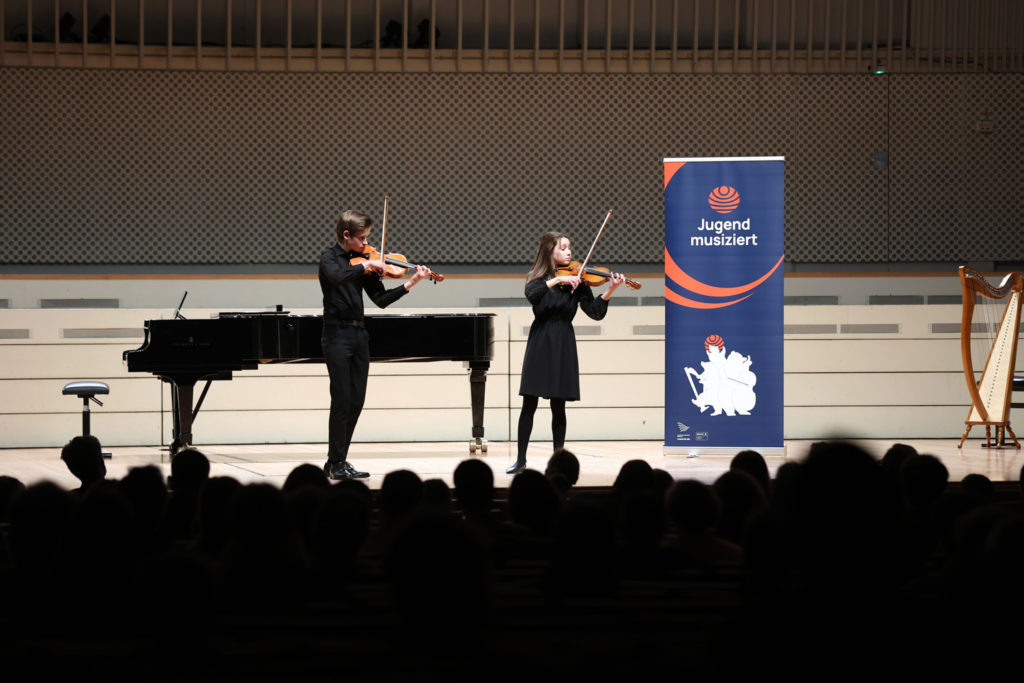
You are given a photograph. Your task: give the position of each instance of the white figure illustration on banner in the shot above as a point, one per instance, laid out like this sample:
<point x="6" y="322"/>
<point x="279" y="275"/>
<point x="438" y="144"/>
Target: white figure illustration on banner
<point x="727" y="381"/>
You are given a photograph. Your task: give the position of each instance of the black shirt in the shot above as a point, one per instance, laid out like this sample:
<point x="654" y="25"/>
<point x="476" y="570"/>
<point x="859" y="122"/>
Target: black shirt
<point x="341" y="283"/>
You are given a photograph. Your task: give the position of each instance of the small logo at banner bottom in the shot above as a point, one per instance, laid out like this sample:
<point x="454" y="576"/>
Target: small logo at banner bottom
<point x="702" y="436"/>
<point x="727" y="382"/>
<point x="683" y="429"/>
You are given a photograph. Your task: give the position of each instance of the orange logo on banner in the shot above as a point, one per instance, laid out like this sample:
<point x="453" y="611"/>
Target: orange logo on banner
<point x="724" y="199"/>
<point x="714" y="340"/>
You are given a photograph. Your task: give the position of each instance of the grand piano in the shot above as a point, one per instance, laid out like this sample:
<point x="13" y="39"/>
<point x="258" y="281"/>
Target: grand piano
<point x="183" y="352"/>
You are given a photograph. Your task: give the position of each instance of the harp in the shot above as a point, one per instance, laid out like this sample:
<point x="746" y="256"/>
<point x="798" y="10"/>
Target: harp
<point x="991" y="394"/>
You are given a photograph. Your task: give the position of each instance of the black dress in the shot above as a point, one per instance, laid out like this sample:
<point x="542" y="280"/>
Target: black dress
<point x="550" y="366"/>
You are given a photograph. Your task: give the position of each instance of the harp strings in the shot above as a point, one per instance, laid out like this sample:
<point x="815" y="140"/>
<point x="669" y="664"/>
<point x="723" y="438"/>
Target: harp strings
<point x="988" y="314"/>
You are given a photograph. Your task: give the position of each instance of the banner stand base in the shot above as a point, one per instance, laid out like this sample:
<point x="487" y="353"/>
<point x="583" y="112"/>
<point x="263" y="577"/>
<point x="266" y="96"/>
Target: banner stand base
<point x="698" y="451"/>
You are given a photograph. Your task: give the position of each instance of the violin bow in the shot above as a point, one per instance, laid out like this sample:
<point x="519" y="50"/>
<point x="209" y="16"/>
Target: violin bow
<point x="384" y="226"/>
<point x="383" y="242"/>
<point x="583" y="268"/>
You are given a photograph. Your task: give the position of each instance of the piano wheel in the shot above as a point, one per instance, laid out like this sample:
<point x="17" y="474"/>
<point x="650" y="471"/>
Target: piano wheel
<point x="477" y="444"/>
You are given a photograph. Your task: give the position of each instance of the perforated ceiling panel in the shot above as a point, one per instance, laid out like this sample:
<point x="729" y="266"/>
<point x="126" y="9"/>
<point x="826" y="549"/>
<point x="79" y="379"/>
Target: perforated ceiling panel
<point x="154" y="167"/>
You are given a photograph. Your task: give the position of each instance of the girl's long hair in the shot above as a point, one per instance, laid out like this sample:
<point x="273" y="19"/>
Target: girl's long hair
<point x="544" y="263"/>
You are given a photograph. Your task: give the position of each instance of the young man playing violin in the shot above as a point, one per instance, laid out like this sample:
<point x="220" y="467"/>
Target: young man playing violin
<point x="345" y="273"/>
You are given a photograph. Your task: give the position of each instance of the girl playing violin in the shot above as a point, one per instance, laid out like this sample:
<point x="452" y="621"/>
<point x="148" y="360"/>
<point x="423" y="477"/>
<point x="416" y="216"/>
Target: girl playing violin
<point x="550" y="365"/>
<point x="345" y="273"/>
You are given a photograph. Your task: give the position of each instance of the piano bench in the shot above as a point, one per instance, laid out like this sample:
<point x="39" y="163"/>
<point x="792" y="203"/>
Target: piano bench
<point x="87" y="392"/>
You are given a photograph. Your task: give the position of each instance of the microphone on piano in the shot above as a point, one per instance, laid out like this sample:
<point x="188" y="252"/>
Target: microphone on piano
<point x="177" y="312"/>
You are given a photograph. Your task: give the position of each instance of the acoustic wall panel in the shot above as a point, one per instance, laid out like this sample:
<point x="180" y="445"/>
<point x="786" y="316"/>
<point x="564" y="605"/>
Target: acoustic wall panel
<point x="189" y="167"/>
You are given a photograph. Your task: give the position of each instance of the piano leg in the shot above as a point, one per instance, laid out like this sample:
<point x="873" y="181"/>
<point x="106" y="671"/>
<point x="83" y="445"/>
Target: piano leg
<point x="477" y="385"/>
<point x="181" y="395"/>
<point x="175" y="427"/>
<point x="182" y="413"/>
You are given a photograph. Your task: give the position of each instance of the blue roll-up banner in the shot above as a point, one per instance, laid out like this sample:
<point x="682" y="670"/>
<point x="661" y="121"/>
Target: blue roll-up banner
<point x="724" y="249"/>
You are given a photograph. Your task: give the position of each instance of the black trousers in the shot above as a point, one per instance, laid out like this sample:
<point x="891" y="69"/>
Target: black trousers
<point x="347" y="352"/>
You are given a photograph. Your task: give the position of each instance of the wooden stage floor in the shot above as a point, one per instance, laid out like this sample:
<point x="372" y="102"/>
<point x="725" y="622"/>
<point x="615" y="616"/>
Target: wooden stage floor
<point x="600" y="461"/>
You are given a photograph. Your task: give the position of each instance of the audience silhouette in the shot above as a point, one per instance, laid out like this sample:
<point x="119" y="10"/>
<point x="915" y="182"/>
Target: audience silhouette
<point x="563" y="470"/>
<point x="753" y="463"/>
<point x="190" y="470"/>
<point x="83" y="456"/>
<point x="648" y="574"/>
<point x="742" y="498"/>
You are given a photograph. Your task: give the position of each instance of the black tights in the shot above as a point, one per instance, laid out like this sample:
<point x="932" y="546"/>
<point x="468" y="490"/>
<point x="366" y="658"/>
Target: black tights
<point x="526" y="424"/>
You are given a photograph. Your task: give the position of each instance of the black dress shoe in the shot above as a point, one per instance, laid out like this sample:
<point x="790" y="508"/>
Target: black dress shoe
<point x="336" y="470"/>
<point x="353" y="472"/>
<point x="518" y="467"/>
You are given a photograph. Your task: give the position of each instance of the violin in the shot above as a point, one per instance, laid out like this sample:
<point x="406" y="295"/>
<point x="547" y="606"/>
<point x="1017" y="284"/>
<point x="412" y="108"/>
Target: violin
<point x="395" y="265"/>
<point x="592" y="275"/>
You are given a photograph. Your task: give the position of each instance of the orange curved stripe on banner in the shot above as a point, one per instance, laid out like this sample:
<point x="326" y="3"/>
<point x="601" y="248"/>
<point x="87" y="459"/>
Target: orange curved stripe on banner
<point x="670" y="169"/>
<point x="679" y="276"/>
<point x="690" y="303"/>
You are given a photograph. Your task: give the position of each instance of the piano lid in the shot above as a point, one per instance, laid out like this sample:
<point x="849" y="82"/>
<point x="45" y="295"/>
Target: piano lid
<point x="241" y="340"/>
